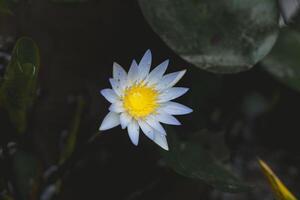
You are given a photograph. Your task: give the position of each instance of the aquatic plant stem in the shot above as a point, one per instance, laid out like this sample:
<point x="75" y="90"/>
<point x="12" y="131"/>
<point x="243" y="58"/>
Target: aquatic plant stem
<point x="71" y="162"/>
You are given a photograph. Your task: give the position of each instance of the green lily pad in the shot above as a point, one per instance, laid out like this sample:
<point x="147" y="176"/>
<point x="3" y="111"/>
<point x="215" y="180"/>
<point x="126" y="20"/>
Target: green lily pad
<point x="18" y="88"/>
<point x="190" y="159"/>
<point x="223" y="36"/>
<point x="284" y="61"/>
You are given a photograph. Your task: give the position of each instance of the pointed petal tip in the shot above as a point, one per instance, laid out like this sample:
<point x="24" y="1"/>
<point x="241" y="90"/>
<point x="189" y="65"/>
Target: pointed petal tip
<point x="102" y="91"/>
<point x="134" y="142"/>
<point x="182" y="73"/>
<point x="172" y="93"/>
<point x="103" y="128"/>
<point x="115" y="64"/>
<point x="147" y="55"/>
<point x="168" y="119"/>
<point x="133" y="62"/>
<point x="148" y="51"/>
<point x="166" y="148"/>
<point x="187" y="110"/>
<point x="161" y="141"/>
<point x="186" y="90"/>
<point x="111" y="120"/>
<point x="145" y="65"/>
<point x="133" y="132"/>
<point x="123" y="127"/>
<point x="174" y="108"/>
<point x="166" y="62"/>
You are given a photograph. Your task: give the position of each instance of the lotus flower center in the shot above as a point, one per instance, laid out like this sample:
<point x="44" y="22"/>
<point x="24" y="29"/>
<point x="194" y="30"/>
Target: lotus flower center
<point x="140" y="100"/>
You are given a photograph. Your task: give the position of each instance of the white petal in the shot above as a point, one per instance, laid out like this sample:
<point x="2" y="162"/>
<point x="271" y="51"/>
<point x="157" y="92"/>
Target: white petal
<point x="117" y="107"/>
<point x="110" y="120"/>
<point x="133" y="132"/>
<point x="148" y="131"/>
<point x="116" y="86"/>
<point x="170" y="80"/>
<point x="156" y="125"/>
<point x="172" y="93"/>
<point x="161" y="140"/>
<point x="145" y="64"/>
<point x="157" y="73"/>
<point x="133" y="72"/>
<point x="174" y="108"/>
<point x="167" y="119"/>
<point x="120" y="75"/>
<point x="109" y="95"/>
<point x="125" y="119"/>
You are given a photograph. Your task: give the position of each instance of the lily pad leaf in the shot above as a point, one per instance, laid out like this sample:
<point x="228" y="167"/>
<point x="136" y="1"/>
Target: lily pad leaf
<point x="190" y="159"/>
<point x="221" y="36"/>
<point x="18" y="89"/>
<point x="283" y="62"/>
<point x="289" y="9"/>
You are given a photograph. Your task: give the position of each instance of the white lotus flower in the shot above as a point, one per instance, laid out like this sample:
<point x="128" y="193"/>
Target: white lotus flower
<point x="142" y="99"/>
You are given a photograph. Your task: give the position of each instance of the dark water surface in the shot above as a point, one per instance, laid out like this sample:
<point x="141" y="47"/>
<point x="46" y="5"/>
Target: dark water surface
<point x="78" y="44"/>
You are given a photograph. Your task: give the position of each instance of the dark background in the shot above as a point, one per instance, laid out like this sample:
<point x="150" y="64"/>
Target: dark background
<point x="78" y="44"/>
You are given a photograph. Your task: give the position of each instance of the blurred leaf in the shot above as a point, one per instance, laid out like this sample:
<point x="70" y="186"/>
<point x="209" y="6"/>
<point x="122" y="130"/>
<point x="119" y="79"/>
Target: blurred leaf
<point x="223" y="36"/>
<point x="7" y="197"/>
<point x="289" y="9"/>
<point x="69" y="1"/>
<point x="4" y="194"/>
<point x="72" y="136"/>
<point x="284" y="60"/>
<point x="190" y="159"/>
<point x="26" y="172"/>
<point x="212" y="142"/>
<point x="4" y="8"/>
<point x="18" y="89"/>
<point x="279" y="189"/>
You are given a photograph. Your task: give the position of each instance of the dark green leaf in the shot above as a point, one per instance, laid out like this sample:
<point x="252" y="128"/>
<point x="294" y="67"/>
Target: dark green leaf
<point x="283" y="62"/>
<point x="190" y="159"/>
<point x="69" y="1"/>
<point x="72" y="135"/>
<point x="222" y="36"/>
<point x="4" y="8"/>
<point x="26" y="172"/>
<point x="213" y="142"/>
<point x="18" y="89"/>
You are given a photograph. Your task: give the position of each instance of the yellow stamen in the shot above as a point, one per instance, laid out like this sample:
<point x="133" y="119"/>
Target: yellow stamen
<point x="140" y="100"/>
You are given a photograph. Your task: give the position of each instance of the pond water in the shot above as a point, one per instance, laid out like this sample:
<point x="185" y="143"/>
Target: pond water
<point x="239" y="117"/>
